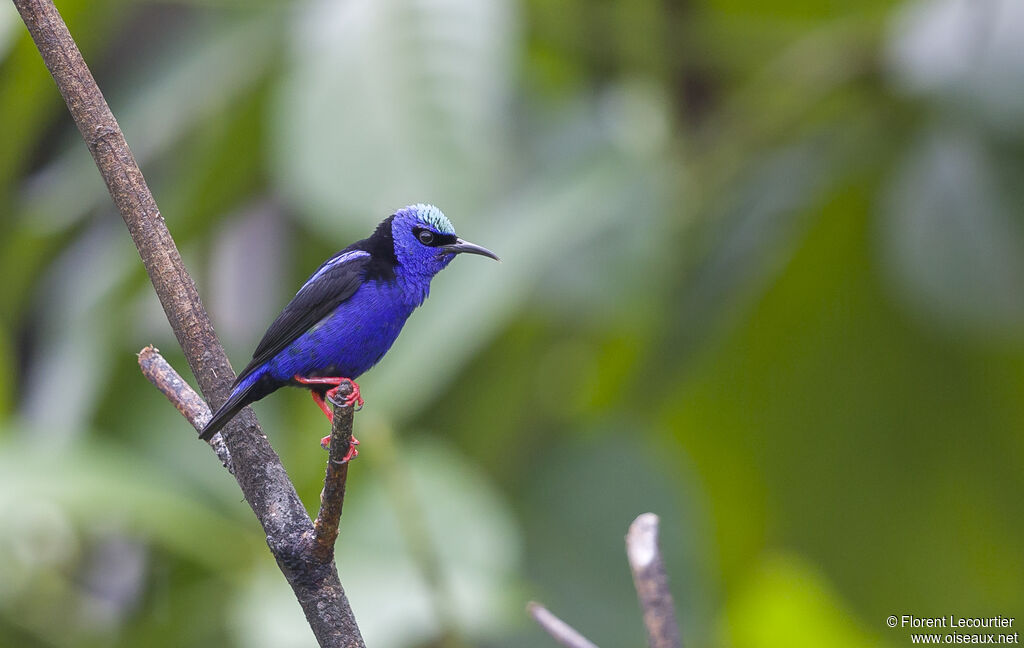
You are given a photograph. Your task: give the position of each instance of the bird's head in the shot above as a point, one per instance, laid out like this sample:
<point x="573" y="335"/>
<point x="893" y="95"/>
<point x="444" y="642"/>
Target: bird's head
<point x="425" y="241"/>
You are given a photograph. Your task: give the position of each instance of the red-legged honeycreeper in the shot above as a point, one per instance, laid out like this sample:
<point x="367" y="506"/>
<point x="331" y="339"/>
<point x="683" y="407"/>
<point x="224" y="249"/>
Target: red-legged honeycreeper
<point x="349" y="312"/>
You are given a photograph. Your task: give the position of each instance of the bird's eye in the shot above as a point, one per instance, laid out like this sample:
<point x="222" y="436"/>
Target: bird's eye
<point x="426" y="237"/>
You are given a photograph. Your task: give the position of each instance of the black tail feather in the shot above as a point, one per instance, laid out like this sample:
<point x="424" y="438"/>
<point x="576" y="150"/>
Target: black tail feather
<point x="256" y="390"/>
<point x="226" y="412"/>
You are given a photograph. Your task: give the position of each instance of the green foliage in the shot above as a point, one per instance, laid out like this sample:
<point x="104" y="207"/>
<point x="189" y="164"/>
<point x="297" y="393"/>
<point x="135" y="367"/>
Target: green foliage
<point x="762" y="269"/>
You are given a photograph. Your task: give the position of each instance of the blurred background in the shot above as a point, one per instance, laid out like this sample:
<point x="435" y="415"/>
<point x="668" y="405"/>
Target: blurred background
<point x="762" y="275"/>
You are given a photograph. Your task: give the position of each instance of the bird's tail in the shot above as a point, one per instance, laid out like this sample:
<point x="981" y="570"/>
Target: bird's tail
<point x="226" y="412"/>
<point x="249" y="390"/>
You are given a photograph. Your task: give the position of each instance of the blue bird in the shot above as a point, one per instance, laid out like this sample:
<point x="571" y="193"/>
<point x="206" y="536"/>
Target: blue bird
<point x="347" y="315"/>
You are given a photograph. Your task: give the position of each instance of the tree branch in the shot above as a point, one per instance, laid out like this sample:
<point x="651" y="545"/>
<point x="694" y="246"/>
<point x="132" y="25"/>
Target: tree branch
<point x="651" y="582"/>
<point x="190" y="404"/>
<point x="325" y="529"/>
<point x="257" y="468"/>
<point x="561" y="631"/>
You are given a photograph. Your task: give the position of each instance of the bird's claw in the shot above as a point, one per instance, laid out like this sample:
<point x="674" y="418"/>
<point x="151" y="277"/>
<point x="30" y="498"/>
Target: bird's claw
<point x="353" y="399"/>
<point x="352" y="453"/>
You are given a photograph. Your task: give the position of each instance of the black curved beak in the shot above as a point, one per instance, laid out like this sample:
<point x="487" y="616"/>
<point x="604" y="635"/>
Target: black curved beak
<point x="460" y="246"/>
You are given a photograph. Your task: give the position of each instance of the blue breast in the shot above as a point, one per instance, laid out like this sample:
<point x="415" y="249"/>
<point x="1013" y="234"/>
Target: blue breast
<point x="351" y="339"/>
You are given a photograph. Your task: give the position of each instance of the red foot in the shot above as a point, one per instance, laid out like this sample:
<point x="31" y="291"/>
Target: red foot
<point x="354" y="398"/>
<point x="352" y="453"/>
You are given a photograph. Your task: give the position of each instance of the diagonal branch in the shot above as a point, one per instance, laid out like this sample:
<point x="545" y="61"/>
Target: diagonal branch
<point x="559" y="630"/>
<point x="325" y="529"/>
<point x="190" y="404"/>
<point x="257" y="468"/>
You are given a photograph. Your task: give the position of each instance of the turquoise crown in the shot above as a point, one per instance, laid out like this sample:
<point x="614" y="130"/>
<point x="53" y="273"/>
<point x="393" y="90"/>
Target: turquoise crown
<point x="434" y="217"/>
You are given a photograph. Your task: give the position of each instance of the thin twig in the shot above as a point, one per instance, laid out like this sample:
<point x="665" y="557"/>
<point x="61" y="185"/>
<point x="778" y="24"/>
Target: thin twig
<point x="257" y="468"/>
<point x="332" y="498"/>
<point x="190" y="404"/>
<point x="651" y="582"/>
<point x="562" y="632"/>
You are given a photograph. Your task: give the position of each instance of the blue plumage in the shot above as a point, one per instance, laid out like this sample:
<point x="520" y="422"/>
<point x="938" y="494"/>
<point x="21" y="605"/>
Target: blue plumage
<point x="347" y="315"/>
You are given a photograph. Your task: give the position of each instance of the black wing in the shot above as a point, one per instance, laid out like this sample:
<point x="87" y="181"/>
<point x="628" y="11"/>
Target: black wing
<point x="333" y="282"/>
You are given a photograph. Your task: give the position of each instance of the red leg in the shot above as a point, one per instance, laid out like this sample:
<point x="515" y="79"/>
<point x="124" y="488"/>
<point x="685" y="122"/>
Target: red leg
<point x="319" y="400"/>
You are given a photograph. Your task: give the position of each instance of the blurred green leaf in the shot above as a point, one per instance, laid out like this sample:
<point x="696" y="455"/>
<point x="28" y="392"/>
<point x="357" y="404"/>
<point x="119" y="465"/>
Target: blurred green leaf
<point x="427" y="122"/>
<point x="953" y="232"/>
<point x="28" y="97"/>
<point x="788" y="603"/>
<point x="200" y="76"/>
<point x="820" y="421"/>
<point x="9" y="24"/>
<point x="89" y="484"/>
<point x="77" y="343"/>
